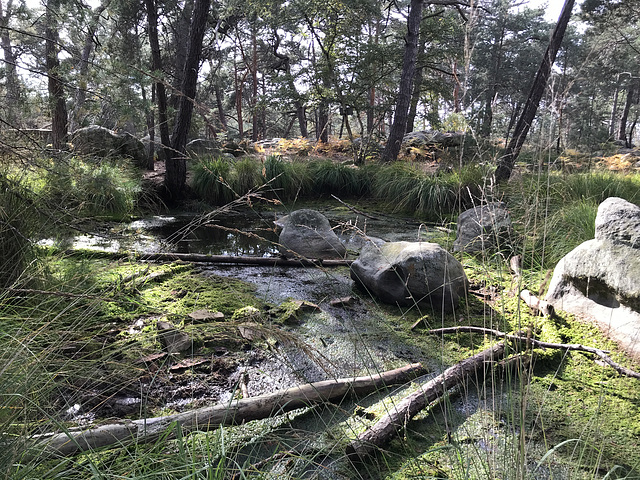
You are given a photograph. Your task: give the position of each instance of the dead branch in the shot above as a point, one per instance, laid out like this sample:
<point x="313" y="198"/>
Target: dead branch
<point x="536" y="304"/>
<point x="226" y="259"/>
<point x="540" y="344"/>
<point x="233" y="413"/>
<point x="392" y="423"/>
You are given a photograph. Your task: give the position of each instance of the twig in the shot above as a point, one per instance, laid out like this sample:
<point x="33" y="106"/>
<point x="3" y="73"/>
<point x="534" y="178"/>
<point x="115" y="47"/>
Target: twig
<point x="540" y="344"/>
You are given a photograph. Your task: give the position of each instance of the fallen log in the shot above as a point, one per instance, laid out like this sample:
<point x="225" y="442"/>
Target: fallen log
<point x="227" y="259"/>
<point x="540" y="344"/>
<point x="536" y="304"/>
<point x="233" y="413"/>
<point x="393" y="422"/>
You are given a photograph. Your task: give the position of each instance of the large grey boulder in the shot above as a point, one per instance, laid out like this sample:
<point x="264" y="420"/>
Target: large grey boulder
<point x="600" y="279"/>
<point x="407" y="273"/>
<point x="484" y="227"/>
<point x="102" y="142"/>
<point x="309" y="234"/>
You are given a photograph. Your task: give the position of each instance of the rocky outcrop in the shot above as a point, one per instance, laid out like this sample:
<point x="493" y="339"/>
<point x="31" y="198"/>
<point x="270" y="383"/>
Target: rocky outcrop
<point x="309" y="234"/>
<point x="484" y="227"/>
<point x="408" y="273"/>
<point x="600" y="278"/>
<point x="102" y="142"/>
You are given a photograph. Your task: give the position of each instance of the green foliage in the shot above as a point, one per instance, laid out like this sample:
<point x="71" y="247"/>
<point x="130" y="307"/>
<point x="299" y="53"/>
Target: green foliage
<point x="90" y="187"/>
<point x="432" y="196"/>
<point x="555" y="213"/>
<point x="211" y="180"/>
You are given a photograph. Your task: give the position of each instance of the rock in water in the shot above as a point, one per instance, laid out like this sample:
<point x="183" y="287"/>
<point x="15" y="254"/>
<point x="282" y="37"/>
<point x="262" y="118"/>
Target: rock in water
<point x="600" y="278"/>
<point x="406" y="273"/>
<point x="309" y="234"/>
<point x="483" y="227"/>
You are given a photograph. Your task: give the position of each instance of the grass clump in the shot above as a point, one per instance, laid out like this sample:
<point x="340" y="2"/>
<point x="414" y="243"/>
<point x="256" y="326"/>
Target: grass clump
<point x="328" y="176"/>
<point x="211" y="180"/>
<point x="88" y="187"/>
<point x="286" y="179"/>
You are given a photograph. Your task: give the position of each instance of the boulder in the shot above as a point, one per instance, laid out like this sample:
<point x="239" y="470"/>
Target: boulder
<point x="204" y="146"/>
<point x="407" y="273"/>
<point x="425" y="138"/>
<point x="102" y="142"/>
<point x="309" y="234"/>
<point x="484" y="227"/>
<point x="599" y="278"/>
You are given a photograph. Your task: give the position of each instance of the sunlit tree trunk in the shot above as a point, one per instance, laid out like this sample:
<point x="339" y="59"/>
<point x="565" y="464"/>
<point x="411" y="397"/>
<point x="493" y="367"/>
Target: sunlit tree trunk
<point x="508" y="159"/>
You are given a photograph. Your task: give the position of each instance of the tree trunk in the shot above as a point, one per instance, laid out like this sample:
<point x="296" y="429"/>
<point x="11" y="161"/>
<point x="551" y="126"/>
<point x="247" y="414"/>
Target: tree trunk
<point x="622" y="128"/>
<point x="176" y="166"/>
<point x="75" y="119"/>
<point x="151" y="127"/>
<point x="156" y="65"/>
<point x="219" y="102"/>
<point x="393" y="422"/>
<point x="394" y="142"/>
<point x="415" y="99"/>
<point x="181" y="43"/>
<point x="57" y="103"/>
<point x="231" y="413"/>
<point x="12" y="82"/>
<point x="508" y="159"/>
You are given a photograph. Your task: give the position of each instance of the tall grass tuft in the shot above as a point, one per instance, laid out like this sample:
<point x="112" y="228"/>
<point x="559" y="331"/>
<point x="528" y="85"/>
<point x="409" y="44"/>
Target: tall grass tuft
<point x="338" y="178"/>
<point x="285" y="178"/>
<point x="246" y="175"/>
<point x="432" y="196"/>
<point x="211" y="180"/>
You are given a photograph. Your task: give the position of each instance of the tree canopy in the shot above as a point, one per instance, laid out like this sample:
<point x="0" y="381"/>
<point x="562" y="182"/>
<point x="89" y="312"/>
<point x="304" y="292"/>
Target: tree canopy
<point x="316" y="68"/>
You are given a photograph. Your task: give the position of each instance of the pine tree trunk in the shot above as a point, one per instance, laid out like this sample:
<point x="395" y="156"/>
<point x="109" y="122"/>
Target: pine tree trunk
<point x="176" y="166"/>
<point x="12" y="82"/>
<point x="394" y="142"/>
<point x="57" y="103"/>
<point x="622" y="128"/>
<point x="156" y="65"/>
<point x="508" y="160"/>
